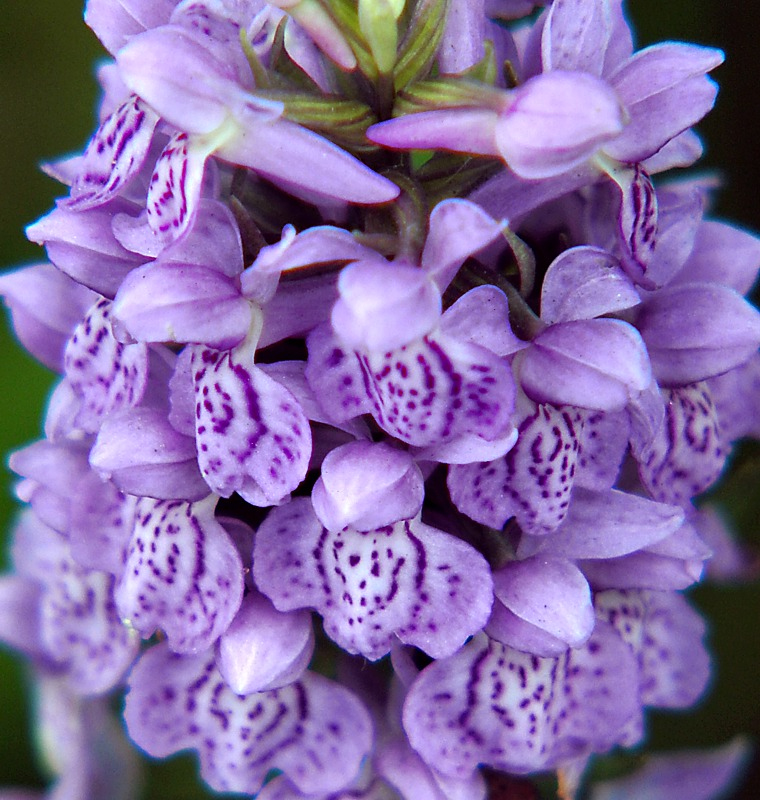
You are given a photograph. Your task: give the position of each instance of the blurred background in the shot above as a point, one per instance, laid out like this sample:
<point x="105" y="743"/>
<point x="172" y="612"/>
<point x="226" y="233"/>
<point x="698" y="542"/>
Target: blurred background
<point x="47" y="102"/>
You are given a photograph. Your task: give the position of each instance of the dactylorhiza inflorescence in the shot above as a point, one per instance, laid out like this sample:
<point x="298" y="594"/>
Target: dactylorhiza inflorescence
<point x="393" y="352"/>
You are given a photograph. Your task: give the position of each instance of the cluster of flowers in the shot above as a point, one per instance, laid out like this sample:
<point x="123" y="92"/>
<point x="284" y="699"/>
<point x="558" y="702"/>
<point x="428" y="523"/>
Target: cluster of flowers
<point x="372" y="309"/>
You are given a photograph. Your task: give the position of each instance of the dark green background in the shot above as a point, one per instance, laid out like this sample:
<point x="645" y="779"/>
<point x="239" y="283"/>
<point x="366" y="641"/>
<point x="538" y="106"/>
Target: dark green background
<point x="47" y="102"/>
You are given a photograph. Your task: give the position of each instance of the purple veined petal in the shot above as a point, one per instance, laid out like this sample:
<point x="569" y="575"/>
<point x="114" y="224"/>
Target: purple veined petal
<point x="437" y="389"/>
<point x="366" y="486"/>
<point x="163" y="302"/>
<point x="605" y="525"/>
<point x="407" y="581"/>
<point x="43" y="329"/>
<point x="603" y="447"/>
<point x="252" y="435"/>
<point x="335" y="375"/>
<point x="183" y="574"/>
<point x="637" y="221"/>
<point x="576" y="35"/>
<point x="459" y="130"/>
<point x="585" y="282"/>
<point x="697" y="774"/>
<point x="82" y="245"/>
<point x="550" y="595"/>
<point x="687" y="455"/>
<point x="596" y="364"/>
<point x="400" y="766"/>
<point x="264" y="648"/>
<point x="143" y="455"/>
<point x="695" y="331"/>
<point x="665" y="91"/>
<point x="114" y="156"/>
<point x="532" y="482"/>
<point x="116" y="23"/>
<point x="314" y="730"/>
<point x="555" y="122"/>
<point x="722" y="254"/>
<point x="457" y="229"/>
<point x="107" y="375"/>
<point x="101" y="523"/>
<point x="490" y="704"/>
<point x="283" y="151"/>
<point x="384" y="305"/>
<point x="481" y="316"/>
<point x="213" y="240"/>
<point x="463" y="36"/>
<point x="666" y="635"/>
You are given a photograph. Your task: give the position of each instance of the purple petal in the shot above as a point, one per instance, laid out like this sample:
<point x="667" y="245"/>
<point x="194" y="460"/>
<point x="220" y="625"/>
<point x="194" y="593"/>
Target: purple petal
<point x="253" y="437"/>
<point x="555" y="122"/>
<point x="532" y="481"/>
<point x="585" y="282"/>
<point x="116" y="24"/>
<point x="575" y="36"/>
<point x="367" y="486"/>
<point x="19" y="624"/>
<point x="314" y="730"/>
<point x="182" y="303"/>
<point x="517" y="712"/>
<point x="108" y="376"/>
<point x="407" y="580"/>
<point x="43" y="329"/>
<point x="695" y="331"/>
<point x="596" y="364"/>
<point x="603" y="447"/>
<point x="687" y="455"/>
<point x="264" y="648"/>
<point x="114" y="156"/>
<point x="143" y="455"/>
<point x="183" y="574"/>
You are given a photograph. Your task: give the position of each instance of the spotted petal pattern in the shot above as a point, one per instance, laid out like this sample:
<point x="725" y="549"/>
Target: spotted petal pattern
<point x="490" y="704"/>
<point x="115" y="154"/>
<point x="253" y="436"/>
<point x="106" y="374"/>
<point x="315" y="731"/>
<point x="687" y="455"/>
<point x="406" y="580"/>
<point x="183" y="574"/>
<point x="637" y="221"/>
<point x="532" y="482"/>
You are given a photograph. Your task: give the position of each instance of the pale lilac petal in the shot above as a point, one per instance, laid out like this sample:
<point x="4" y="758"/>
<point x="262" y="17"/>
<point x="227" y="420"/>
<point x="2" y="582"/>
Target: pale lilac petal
<point x="264" y="648"/>
<point x="253" y="437"/>
<point x="551" y="595"/>
<point x="468" y="448"/>
<point x="315" y="731"/>
<point x="681" y="151"/>
<point x="461" y="130"/>
<point x="182" y="303"/>
<point x="694" y="774"/>
<point x="596" y="364"/>
<point x="603" y="447"/>
<point x="143" y="455"/>
<point x="575" y="36"/>
<point x="687" y="455"/>
<point x="729" y="560"/>
<point x="407" y="581"/>
<point x="116" y="23"/>
<point x="462" y="42"/>
<point x="532" y="482"/>
<point x="665" y="91"/>
<point x="19" y="614"/>
<point x="606" y="525"/>
<point x="367" y="486"/>
<point x="114" y="156"/>
<point x="384" y="305"/>
<point x="44" y="328"/>
<point x="183" y="574"/>
<point x="735" y="394"/>
<point x="555" y="122"/>
<point x="585" y="282"/>
<point x="695" y="331"/>
<point x="457" y="229"/>
<point x="107" y="375"/>
<point x="637" y="220"/>
<point x="518" y="712"/>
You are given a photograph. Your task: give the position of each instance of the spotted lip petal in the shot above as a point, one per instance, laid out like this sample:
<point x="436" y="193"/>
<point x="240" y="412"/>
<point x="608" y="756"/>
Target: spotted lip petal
<point x="314" y="730"/>
<point x="183" y="574"/>
<point x="490" y="704"/>
<point x="406" y="580"/>
<point x="253" y="437"/>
